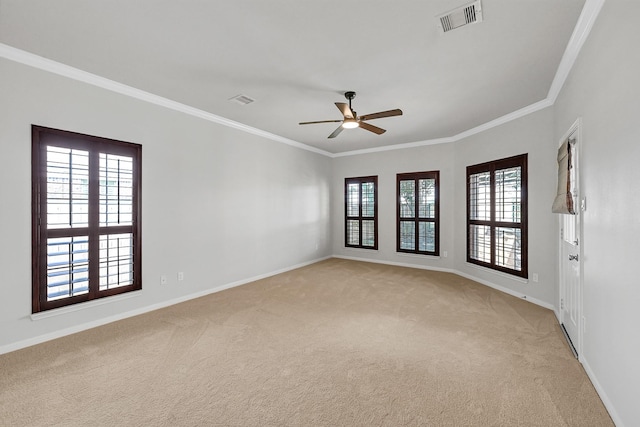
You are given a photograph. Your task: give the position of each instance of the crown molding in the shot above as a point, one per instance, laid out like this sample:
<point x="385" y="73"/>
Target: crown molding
<point x="36" y="61"/>
<point x="478" y="129"/>
<point x="587" y="18"/>
<point x="583" y="27"/>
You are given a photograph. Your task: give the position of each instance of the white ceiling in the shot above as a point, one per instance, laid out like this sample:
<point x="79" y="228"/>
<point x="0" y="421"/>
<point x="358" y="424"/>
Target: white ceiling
<point x="297" y="57"/>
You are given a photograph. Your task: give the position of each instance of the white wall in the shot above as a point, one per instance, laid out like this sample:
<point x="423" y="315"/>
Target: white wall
<point x="218" y="204"/>
<point x="195" y="173"/>
<point x="604" y="90"/>
<point x="386" y="165"/>
<point x="532" y="134"/>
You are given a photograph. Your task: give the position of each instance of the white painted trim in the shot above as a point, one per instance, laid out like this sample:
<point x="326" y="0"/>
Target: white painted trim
<point x="361" y="250"/>
<point x="577" y="342"/>
<point x="84" y="305"/>
<point x="589" y="13"/>
<point x="417" y="256"/>
<point x="540" y="105"/>
<point x="89" y="325"/>
<point x="525" y="111"/>
<point x="45" y="64"/>
<point x="506" y="290"/>
<point x="575" y="127"/>
<point x="594" y="380"/>
<point x="603" y="395"/>
<point x="497" y="273"/>
<point x="459" y="273"/>
<point x="397" y="264"/>
<point x="394" y="147"/>
<point x="587" y="18"/>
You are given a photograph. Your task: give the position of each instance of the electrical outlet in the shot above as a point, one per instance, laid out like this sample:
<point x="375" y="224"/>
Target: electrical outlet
<point x="535" y="277"/>
<point x="180" y="276"/>
<point x="445" y="254"/>
<point x="163" y="280"/>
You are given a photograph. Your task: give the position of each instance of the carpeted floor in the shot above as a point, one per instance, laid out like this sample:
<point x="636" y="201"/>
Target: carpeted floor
<point x="337" y="343"/>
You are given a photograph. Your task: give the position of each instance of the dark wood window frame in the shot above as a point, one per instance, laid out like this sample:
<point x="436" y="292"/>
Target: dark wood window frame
<point x="360" y="217"/>
<point x="416" y="219"/>
<point x="491" y="168"/>
<point x="94" y="147"/>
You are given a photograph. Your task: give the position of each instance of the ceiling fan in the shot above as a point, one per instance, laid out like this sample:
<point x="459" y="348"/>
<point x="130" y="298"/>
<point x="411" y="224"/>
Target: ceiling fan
<point x="352" y="120"/>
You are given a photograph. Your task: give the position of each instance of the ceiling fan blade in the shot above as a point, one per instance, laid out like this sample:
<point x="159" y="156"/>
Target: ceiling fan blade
<point x="336" y="132"/>
<point x="372" y="128"/>
<point x="321" y="121"/>
<point x="381" y="114"/>
<point x="345" y="110"/>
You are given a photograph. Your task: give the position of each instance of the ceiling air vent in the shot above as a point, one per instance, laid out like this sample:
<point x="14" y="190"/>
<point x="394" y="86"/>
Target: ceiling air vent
<point x="241" y="99"/>
<point x="467" y="14"/>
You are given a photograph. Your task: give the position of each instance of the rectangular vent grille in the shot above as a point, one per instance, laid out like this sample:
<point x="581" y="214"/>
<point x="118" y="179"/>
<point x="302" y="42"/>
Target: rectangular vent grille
<point x="460" y="17"/>
<point x="241" y="99"/>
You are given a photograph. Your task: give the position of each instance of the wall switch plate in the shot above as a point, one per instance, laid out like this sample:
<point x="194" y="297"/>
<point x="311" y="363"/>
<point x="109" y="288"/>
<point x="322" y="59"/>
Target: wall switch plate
<point x="180" y="276"/>
<point x="163" y="280"/>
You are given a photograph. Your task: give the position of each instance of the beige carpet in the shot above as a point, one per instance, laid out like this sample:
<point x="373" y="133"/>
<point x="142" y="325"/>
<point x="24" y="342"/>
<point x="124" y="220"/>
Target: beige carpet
<point x="337" y="343"/>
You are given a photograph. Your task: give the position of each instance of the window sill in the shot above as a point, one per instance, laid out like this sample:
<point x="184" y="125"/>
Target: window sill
<point x="85" y="305"/>
<point x="498" y="273"/>
<point x="418" y="256"/>
<point x="349" y="248"/>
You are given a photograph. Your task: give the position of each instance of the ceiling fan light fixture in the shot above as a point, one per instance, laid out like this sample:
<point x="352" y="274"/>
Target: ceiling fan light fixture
<point x="350" y="124"/>
<point x="352" y="120"/>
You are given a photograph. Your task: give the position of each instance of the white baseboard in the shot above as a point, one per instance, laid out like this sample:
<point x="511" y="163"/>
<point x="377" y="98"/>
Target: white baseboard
<point x="507" y="290"/>
<point x="85" y="326"/>
<point x="89" y="325"/>
<point x="592" y="377"/>
<point x="603" y="396"/>
<point x="398" y="264"/>
<point x="82" y="327"/>
<point x="459" y="273"/>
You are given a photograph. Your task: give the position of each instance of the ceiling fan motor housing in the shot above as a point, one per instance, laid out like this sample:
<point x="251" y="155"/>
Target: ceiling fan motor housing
<point x="351" y="119"/>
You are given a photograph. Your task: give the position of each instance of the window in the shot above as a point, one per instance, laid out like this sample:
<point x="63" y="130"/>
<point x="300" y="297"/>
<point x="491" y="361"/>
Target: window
<point x="85" y="218"/>
<point x="497" y="215"/>
<point x="417" y="213"/>
<point x="361" y="212"/>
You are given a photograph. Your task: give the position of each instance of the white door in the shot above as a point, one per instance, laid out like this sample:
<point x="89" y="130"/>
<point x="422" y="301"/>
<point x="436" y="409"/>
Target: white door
<point x="571" y="260"/>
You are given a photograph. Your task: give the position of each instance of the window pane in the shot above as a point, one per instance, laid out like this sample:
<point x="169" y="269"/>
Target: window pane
<point x="480" y="196"/>
<point x="368" y="233"/>
<point x="353" y="200"/>
<point x="368" y="199"/>
<point x="408" y="235"/>
<point x="67" y="267"/>
<point x="427" y="198"/>
<point x="407" y="199"/>
<point x="116" y="260"/>
<point x="427" y="236"/>
<point x="508" y="195"/>
<point x="67" y="188"/>
<point x="508" y="248"/>
<point x="480" y="242"/>
<point x="360" y="194"/>
<point x="353" y="232"/>
<point x="116" y="190"/>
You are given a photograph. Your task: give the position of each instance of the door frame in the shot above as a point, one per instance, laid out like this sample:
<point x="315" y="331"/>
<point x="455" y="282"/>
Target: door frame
<point x="578" y="342"/>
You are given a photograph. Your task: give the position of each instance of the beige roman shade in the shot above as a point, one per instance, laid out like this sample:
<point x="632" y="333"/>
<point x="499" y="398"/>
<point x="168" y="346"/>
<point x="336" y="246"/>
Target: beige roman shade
<point x="563" y="202"/>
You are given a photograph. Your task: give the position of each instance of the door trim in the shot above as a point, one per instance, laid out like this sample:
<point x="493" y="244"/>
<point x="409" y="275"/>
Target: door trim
<point x="577" y="343"/>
